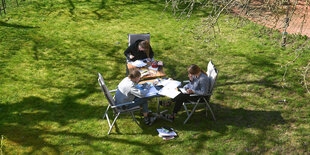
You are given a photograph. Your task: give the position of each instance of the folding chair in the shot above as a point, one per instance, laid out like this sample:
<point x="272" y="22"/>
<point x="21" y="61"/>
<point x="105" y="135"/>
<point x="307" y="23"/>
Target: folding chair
<point x="132" y="38"/>
<point x="212" y="74"/>
<point x="117" y="109"/>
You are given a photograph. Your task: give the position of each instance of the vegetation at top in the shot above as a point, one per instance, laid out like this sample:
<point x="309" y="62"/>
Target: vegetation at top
<point x="50" y="100"/>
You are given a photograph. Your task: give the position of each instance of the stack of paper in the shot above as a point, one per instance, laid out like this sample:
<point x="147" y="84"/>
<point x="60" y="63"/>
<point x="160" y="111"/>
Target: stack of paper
<point x="166" y="135"/>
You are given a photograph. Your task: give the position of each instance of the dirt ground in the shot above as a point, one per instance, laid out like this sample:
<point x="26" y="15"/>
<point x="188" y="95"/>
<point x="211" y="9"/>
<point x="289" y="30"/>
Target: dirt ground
<point x="299" y="23"/>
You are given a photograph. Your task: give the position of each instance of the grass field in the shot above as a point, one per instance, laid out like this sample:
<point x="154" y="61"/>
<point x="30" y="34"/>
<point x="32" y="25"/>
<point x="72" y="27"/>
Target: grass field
<point x="50" y="101"/>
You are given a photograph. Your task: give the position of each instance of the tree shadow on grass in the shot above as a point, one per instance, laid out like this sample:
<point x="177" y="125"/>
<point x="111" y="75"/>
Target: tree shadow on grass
<point x="72" y="7"/>
<point x="233" y="122"/>
<point x="16" y="25"/>
<point x="23" y="124"/>
<point x="34" y="138"/>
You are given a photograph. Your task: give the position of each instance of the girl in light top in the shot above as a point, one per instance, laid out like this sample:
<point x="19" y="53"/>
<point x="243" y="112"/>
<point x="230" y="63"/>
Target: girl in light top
<point x="127" y="91"/>
<point x="199" y="84"/>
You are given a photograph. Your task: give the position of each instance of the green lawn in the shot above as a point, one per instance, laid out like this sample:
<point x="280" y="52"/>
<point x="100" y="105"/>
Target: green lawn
<point x="50" y="100"/>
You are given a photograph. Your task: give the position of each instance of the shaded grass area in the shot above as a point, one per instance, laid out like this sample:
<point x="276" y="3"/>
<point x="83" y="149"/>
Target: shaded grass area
<point x="51" y="52"/>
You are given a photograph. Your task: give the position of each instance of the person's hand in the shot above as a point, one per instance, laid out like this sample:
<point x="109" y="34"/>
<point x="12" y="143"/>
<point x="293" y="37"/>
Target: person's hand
<point x="189" y="91"/>
<point x="131" y="56"/>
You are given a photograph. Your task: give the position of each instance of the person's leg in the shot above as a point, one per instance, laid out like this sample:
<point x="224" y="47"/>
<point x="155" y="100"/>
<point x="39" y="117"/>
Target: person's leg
<point x="140" y="102"/>
<point x="143" y="103"/>
<point x="179" y="101"/>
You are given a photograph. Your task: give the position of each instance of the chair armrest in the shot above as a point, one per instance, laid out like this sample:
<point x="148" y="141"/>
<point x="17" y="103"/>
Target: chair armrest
<point x="194" y="95"/>
<point x="186" y="81"/>
<point x="201" y="95"/>
<point x="121" y="105"/>
<point x="112" y="91"/>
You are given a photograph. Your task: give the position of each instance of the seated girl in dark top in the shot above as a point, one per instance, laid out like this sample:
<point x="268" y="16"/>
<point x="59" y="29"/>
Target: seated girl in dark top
<point x="139" y="50"/>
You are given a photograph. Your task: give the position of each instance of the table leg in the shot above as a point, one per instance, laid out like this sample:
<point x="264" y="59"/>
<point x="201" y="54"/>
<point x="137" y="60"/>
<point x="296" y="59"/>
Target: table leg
<point x="160" y="114"/>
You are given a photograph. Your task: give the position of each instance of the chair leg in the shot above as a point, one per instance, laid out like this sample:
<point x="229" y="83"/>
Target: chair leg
<point x="186" y="109"/>
<point x="134" y="118"/>
<point x="210" y="109"/>
<point x="113" y="122"/>
<point x="193" y="110"/>
<point x="158" y="105"/>
<point x="207" y="110"/>
<point x="106" y="111"/>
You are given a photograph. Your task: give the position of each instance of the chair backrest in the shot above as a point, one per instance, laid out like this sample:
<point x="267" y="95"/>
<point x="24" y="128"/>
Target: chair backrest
<point x="105" y="90"/>
<point x="212" y="74"/>
<point x="132" y="38"/>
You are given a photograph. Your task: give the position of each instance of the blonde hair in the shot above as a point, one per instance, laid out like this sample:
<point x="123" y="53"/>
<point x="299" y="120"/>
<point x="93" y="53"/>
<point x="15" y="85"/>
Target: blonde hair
<point x="145" y="44"/>
<point x="134" y="74"/>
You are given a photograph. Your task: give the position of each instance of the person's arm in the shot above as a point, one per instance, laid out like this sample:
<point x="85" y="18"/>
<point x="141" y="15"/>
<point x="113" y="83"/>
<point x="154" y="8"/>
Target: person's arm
<point x="128" y="51"/>
<point x="191" y="82"/>
<point x="204" y="85"/>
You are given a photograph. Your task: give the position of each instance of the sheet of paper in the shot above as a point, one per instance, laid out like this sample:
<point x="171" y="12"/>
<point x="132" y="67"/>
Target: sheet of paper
<point x="183" y="90"/>
<point x="170" y="88"/>
<point x="171" y="83"/>
<point x="155" y="69"/>
<point x="138" y="63"/>
<point x="152" y="92"/>
<point x="169" y="92"/>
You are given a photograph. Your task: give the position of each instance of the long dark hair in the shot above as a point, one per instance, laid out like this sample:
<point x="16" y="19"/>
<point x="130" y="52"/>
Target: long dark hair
<point x="145" y="44"/>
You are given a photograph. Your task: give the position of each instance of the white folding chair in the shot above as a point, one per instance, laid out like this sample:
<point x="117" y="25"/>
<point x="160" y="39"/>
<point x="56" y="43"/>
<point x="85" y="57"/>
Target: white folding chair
<point x="212" y="73"/>
<point x="117" y="109"/>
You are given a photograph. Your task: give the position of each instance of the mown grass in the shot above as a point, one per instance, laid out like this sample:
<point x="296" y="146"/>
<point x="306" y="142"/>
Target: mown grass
<point x="51" y="52"/>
